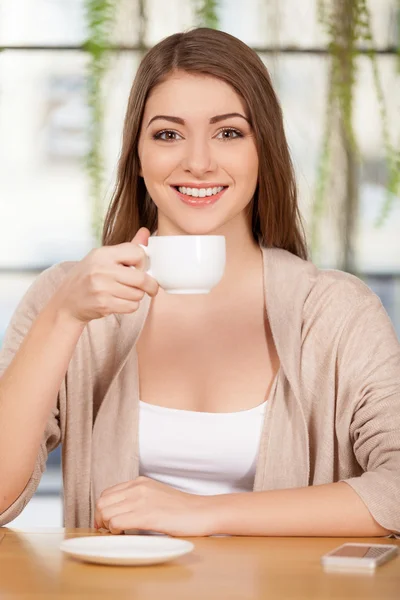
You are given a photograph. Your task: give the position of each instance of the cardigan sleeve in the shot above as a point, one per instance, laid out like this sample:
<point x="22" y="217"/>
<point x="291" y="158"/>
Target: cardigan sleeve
<point x="369" y="379"/>
<point x="29" y="307"/>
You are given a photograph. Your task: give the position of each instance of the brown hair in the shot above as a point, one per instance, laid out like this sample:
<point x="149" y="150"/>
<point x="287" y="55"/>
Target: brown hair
<point x="275" y="218"/>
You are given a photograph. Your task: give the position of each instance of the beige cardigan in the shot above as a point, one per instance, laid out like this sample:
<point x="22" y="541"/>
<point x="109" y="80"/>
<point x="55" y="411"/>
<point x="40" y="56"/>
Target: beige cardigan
<point x="333" y="414"/>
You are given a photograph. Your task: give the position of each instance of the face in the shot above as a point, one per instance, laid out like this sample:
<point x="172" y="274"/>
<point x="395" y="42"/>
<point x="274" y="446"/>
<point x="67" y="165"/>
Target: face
<point x="185" y="144"/>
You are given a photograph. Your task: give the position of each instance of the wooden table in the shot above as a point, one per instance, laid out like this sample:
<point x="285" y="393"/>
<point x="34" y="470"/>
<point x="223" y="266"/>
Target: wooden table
<point x="231" y="568"/>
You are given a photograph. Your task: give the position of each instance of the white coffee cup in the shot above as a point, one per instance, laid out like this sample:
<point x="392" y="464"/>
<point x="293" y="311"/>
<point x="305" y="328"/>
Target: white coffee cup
<point x="186" y="264"/>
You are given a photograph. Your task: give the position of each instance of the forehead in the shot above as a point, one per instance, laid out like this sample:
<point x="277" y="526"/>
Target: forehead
<point x="187" y="95"/>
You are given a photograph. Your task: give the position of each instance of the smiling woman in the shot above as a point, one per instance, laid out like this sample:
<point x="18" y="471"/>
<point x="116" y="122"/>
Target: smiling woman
<point x="230" y="134"/>
<point x="173" y="410"/>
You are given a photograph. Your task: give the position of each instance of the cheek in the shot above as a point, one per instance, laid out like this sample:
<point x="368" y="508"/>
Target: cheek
<point x="251" y="159"/>
<point x="156" y="162"/>
<point x="241" y="161"/>
<point x="246" y="169"/>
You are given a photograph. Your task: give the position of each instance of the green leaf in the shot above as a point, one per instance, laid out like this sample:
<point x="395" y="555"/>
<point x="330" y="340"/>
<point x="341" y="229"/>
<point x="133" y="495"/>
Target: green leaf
<point x="207" y="13"/>
<point x="100" y="17"/>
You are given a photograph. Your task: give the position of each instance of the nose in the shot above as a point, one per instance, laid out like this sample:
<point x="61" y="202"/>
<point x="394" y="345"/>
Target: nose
<point x="198" y="157"/>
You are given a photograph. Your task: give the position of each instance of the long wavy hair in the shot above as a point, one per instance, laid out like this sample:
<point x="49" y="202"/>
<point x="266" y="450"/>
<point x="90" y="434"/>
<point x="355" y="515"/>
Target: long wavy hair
<point x="275" y="215"/>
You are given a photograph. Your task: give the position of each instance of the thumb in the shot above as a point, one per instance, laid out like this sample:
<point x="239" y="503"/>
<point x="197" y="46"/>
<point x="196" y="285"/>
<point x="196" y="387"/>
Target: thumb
<point x="142" y="236"/>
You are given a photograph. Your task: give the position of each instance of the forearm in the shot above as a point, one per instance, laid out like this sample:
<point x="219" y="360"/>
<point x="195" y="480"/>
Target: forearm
<point x="28" y="393"/>
<point x="333" y="509"/>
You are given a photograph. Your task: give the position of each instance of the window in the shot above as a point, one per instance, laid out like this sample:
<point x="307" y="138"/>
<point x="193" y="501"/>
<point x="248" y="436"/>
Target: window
<point x="45" y="207"/>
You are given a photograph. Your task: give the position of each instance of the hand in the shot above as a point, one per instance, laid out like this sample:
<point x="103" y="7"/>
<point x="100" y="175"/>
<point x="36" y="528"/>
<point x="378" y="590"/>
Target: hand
<point x="103" y="283"/>
<point x="149" y="505"/>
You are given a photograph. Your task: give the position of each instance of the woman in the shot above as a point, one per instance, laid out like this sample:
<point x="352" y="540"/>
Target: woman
<point x="270" y="406"/>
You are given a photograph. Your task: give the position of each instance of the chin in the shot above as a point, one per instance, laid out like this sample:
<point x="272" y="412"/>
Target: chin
<point x="199" y="228"/>
<point x="198" y="221"/>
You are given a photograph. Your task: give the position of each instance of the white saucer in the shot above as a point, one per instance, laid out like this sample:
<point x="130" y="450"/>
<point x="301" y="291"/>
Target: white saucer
<point x="126" y="549"/>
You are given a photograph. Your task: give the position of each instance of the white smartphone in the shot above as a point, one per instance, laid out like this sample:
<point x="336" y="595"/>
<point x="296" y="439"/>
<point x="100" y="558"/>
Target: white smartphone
<point x="358" y="557"/>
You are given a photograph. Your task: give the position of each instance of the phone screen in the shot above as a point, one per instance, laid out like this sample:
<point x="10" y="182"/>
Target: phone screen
<point x="351" y="551"/>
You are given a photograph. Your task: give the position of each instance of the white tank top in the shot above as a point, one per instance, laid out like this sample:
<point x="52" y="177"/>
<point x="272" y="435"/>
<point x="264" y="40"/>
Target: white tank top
<point x="199" y="452"/>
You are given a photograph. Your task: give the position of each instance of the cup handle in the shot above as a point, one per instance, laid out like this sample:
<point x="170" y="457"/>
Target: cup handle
<point x="148" y="264"/>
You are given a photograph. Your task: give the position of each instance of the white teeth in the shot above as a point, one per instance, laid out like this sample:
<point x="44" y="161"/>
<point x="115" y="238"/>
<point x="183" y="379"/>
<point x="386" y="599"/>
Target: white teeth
<point x="200" y="192"/>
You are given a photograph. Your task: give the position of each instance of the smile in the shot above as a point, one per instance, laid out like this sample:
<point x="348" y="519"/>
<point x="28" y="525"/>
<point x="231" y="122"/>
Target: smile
<point x="199" y="197"/>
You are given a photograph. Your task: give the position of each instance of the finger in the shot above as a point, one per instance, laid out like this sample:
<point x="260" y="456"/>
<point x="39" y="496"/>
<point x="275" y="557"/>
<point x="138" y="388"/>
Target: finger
<point x="123" y="307"/>
<point x="116" y="488"/>
<point x="124" y="485"/>
<point x="126" y="292"/>
<point x="126" y="520"/>
<point x="106" y="514"/>
<point x="110" y="499"/>
<point x="136" y="278"/>
<point x="142" y="236"/>
<point x="128" y="254"/>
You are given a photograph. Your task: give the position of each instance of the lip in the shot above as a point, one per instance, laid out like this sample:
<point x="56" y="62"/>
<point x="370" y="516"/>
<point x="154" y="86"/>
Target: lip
<point x="199" y="202"/>
<point x="199" y="185"/>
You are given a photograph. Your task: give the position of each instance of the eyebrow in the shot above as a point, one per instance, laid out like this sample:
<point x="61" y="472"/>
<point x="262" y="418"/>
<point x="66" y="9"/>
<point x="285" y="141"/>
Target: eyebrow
<point x="213" y="120"/>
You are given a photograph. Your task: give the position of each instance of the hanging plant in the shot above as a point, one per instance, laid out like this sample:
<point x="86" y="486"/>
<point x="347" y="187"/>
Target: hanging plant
<point x="142" y="30"/>
<point x="398" y="35"/>
<point x="346" y="36"/>
<point x="206" y="13"/>
<point x="100" y="17"/>
<point x="392" y="157"/>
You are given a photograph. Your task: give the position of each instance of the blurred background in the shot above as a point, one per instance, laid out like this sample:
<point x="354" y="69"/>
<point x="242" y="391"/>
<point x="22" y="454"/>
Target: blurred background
<point x="66" y="68"/>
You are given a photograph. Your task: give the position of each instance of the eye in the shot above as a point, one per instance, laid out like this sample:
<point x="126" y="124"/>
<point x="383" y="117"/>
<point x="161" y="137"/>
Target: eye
<point x="168" y="132"/>
<point x="229" y="130"/>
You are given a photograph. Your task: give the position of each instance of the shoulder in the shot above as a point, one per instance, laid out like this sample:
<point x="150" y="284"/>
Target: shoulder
<point x="341" y="307"/>
<point x="338" y="289"/>
<point x="30" y="305"/>
<point x="319" y="301"/>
